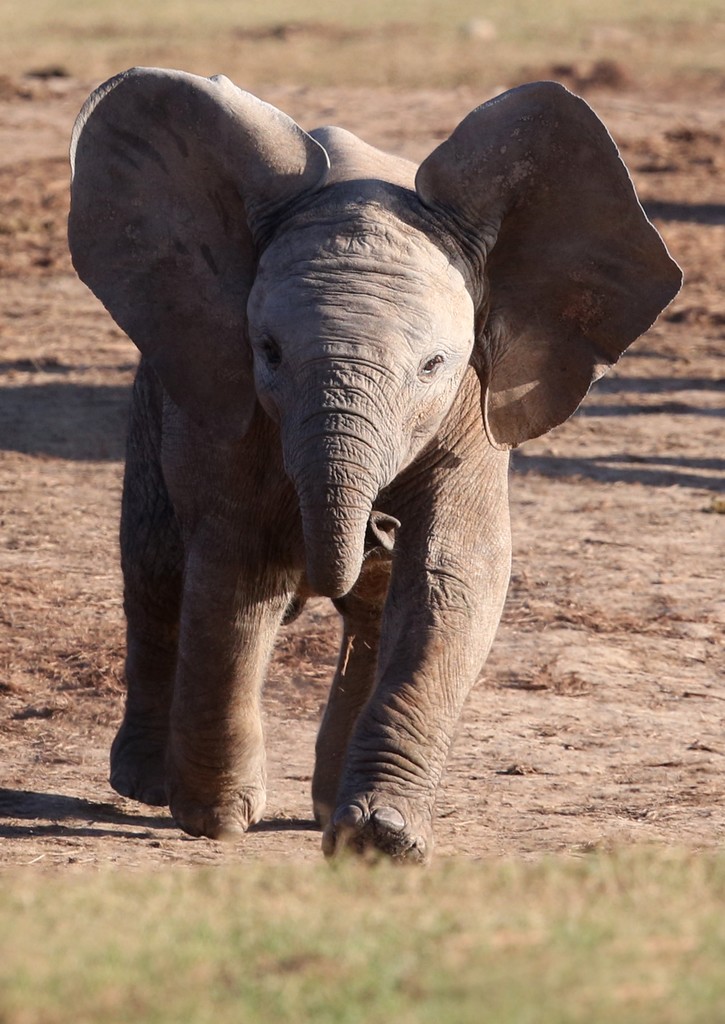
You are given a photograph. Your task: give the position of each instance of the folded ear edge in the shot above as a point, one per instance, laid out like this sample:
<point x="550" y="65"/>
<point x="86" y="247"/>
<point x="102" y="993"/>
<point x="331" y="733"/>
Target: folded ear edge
<point x="184" y="318"/>
<point x="562" y="308"/>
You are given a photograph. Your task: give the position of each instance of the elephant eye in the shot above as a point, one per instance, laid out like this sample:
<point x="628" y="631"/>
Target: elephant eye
<point x="431" y="366"/>
<point x="271" y="352"/>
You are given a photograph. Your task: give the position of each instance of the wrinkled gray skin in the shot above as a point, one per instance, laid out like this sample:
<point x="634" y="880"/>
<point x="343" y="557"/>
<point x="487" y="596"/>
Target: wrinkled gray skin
<point x="338" y="351"/>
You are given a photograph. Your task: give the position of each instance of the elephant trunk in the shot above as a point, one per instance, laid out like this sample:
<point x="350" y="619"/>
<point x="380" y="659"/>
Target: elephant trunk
<point x="337" y="473"/>
<point x="334" y="531"/>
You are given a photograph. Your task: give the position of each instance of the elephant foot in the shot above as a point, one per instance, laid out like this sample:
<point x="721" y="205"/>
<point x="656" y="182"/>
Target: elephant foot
<point x="214" y="801"/>
<point x="217" y="790"/>
<point x="138" y="764"/>
<point x="370" y="826"/>
<point x="227" y="819"/>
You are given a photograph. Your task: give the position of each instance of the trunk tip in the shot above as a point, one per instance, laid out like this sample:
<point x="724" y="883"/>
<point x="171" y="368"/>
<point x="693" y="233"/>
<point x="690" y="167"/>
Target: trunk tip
<point x="333" y="584"/>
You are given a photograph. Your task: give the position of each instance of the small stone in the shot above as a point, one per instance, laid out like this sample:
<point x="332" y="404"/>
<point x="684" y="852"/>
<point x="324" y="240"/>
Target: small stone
<point x="480" y="29"/>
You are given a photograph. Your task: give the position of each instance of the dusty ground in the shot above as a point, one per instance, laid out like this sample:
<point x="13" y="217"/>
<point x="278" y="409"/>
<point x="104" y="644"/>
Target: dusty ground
<point x="599" y="717"/>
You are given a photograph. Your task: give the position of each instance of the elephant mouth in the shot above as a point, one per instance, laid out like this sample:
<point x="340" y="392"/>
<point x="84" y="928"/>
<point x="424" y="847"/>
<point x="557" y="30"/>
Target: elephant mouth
<point x="334" y="568"/>
<point x="380" y="533"/>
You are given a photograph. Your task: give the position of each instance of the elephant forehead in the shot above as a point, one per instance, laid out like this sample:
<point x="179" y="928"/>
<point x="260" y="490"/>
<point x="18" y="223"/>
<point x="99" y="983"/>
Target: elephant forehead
<point x="369" y="267"/>
<point x="364" y="302"/>
<point x="349" y="238"/>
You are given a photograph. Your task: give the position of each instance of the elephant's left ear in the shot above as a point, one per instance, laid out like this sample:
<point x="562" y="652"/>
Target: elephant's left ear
<point x="573" y="271"/>
<point x="177" y="181"/>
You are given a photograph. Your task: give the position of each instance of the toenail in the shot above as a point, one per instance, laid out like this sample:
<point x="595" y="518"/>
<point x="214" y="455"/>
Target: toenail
<point x="348" y="817"/>
<point x="390" y="818"/>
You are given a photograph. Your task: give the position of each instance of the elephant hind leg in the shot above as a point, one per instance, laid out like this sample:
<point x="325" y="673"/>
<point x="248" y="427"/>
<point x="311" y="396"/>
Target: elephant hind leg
<point x="152" y="563"/>
<point x="138" y="751"/>
<point x="352" y="684"/>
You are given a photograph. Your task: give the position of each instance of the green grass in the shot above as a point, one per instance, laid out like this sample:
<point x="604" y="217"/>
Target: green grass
<point x="211" y="16"/>
<point x="636" y="936"/>
<point x="652" y="37"/>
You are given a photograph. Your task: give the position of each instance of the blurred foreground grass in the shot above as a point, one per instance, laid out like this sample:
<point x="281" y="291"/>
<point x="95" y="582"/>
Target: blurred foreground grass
<point x="636" y="936"/>
<point x="415" y="44"/>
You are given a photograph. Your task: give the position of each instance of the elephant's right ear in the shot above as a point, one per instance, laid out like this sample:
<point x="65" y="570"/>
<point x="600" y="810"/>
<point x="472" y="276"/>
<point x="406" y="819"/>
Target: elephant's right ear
<point x="173" y="176"/>
<point x="570" y="267"/>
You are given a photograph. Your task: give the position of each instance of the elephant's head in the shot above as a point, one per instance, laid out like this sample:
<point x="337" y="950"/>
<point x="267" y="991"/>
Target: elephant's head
<point x="253" y="262"/>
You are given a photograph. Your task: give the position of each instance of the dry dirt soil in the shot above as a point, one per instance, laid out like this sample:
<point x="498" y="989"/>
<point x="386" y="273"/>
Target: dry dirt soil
<point x="599" y="716"/>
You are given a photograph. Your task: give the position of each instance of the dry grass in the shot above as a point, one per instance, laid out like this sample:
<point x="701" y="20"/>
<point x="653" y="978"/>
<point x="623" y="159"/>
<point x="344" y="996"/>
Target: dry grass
<point x="407" y="44"/>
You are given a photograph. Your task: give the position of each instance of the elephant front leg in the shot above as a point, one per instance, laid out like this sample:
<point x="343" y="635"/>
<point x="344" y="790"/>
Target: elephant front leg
<point x="440" y="619"/>
<point x="216" y="756"/>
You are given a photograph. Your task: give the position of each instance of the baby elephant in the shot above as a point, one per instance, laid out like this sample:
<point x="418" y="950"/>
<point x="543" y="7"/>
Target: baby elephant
<point x="338" y="351"/>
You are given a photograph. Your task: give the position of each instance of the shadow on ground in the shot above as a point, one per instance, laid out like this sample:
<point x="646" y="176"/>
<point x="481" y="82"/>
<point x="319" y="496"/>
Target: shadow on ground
<point x="54" y="808"/>
<point x="47" y="814"/>
<point x="655" y="471"/>
<point x="66" y="421"/>
<point x="692" y="213"/>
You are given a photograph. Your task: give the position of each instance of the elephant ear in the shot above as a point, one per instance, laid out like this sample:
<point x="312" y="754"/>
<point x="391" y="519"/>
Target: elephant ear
<point x="174" y="179"/>
<point x="573" y="271"/>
